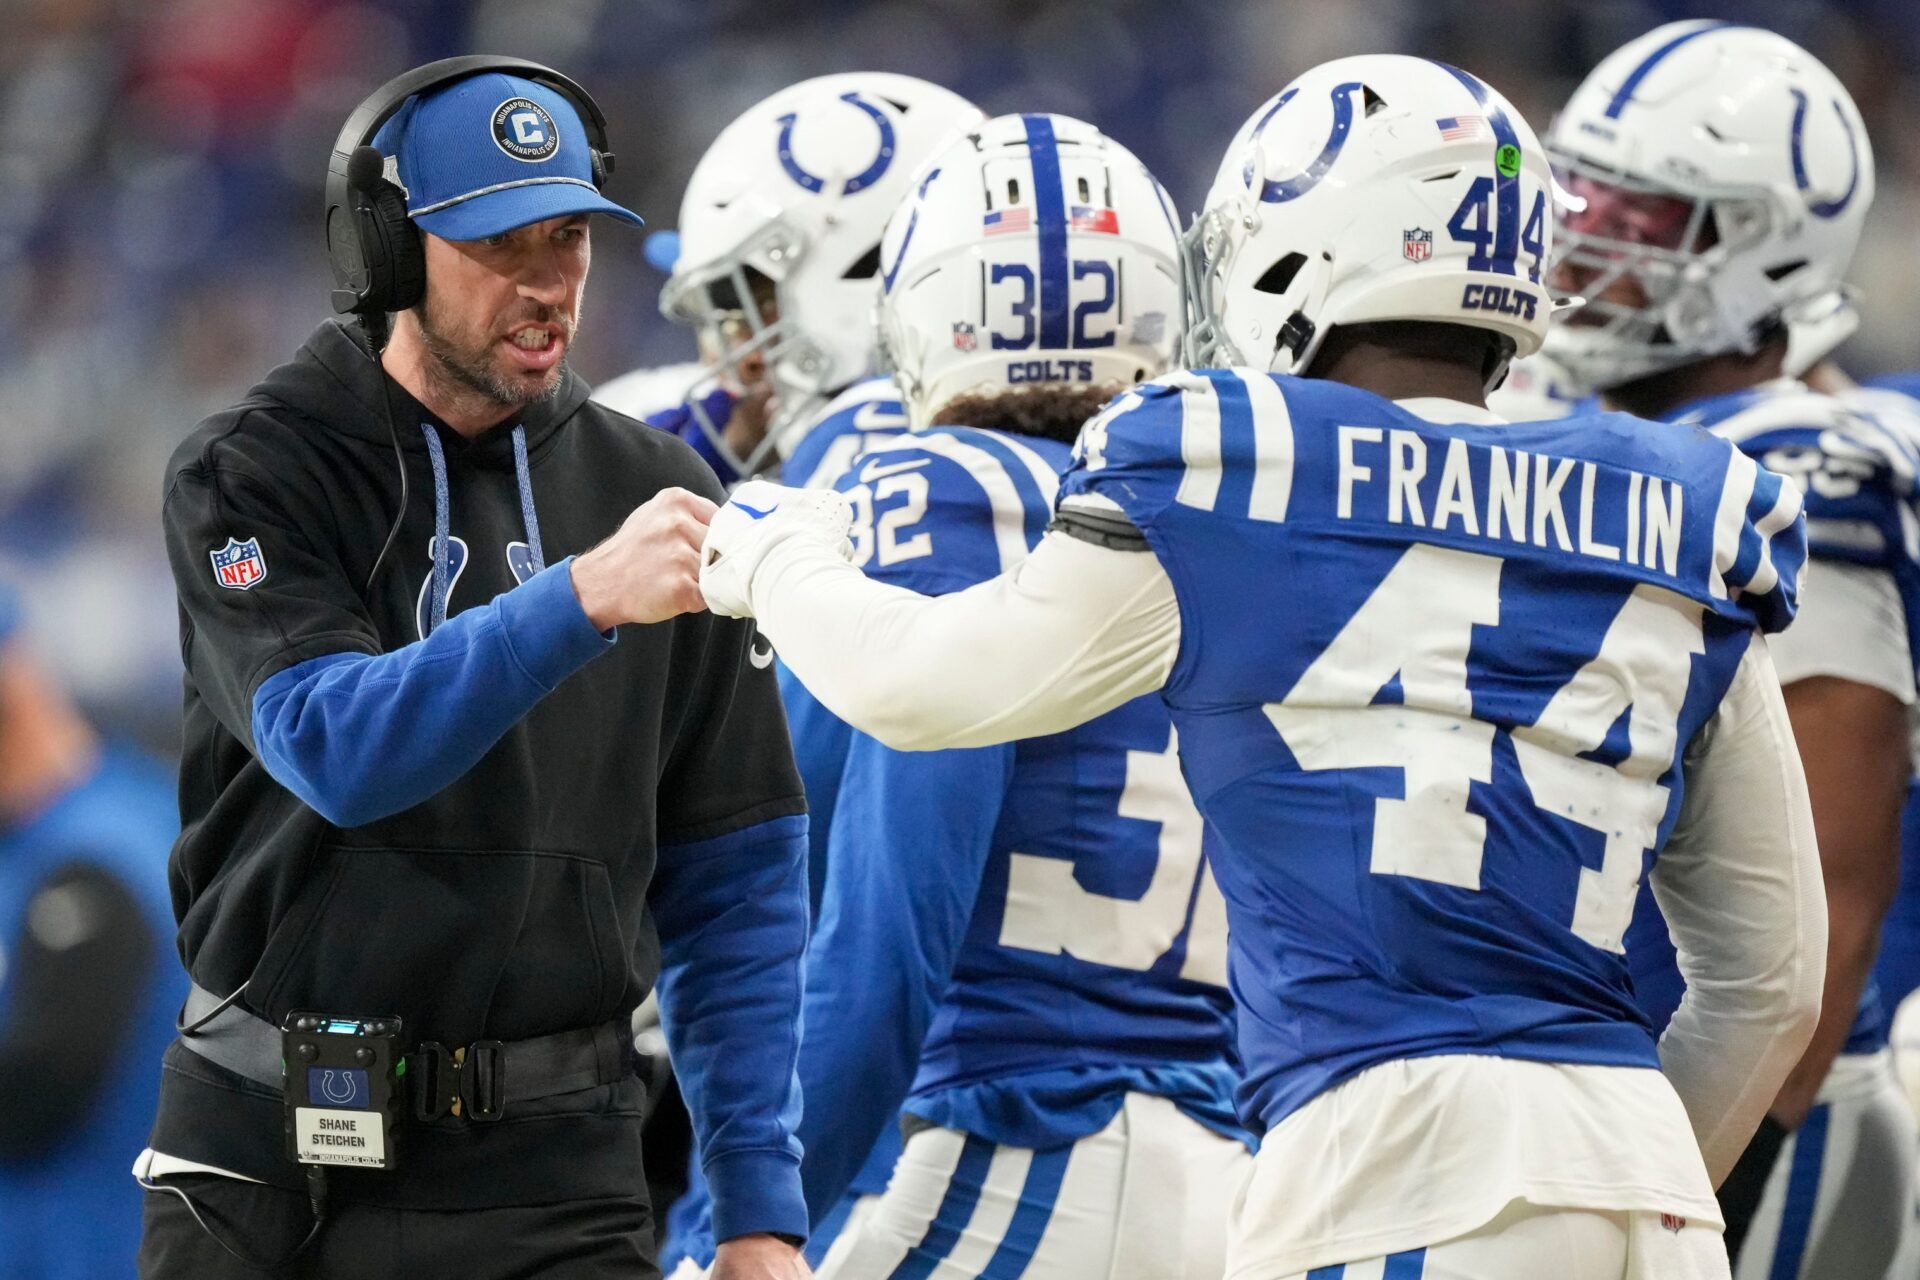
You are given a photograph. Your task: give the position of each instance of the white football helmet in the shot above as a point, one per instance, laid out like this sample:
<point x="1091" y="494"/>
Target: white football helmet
<point x="1726" y="175"/>
<point x="1035" y="250"/>
<point x="797" y="190"/>
<point x="1372" y="188"/>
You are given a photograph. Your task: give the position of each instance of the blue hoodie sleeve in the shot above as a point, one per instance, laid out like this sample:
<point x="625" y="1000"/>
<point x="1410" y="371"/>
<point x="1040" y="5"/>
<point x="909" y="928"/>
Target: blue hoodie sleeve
<point x="732" y="916"/>
<point x="360" y="736"/>
<point x="910" y="839"/>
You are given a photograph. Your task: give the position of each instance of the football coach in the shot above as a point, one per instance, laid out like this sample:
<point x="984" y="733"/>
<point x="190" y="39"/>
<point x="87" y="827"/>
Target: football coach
<point x="466" y="771"/>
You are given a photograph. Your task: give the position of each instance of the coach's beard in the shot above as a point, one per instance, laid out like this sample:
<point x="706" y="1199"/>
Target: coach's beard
<point x="462" y="370"/>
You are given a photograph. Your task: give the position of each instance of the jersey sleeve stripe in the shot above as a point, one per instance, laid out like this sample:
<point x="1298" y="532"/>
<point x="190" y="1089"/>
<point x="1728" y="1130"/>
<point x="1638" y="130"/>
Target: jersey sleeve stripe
<point x="1729" y="521"/>
<point x="1272" y="447"/>
<point x="1784" y="510"/>
<point x="1199" y="442"/>
<point x="1036" y="495"/>
<point x="1046" y="480"/>
<point x="1238" y="454"/>
<point x="1009" y="512"/>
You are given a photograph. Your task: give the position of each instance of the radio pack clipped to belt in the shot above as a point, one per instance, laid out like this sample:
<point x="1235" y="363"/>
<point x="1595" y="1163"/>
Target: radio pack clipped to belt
<point x="341" y="1085"/>
<point x="347" y="1082"/>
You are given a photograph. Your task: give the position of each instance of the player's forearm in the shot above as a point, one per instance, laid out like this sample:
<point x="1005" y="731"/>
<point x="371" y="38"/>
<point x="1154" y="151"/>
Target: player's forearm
<point x="1075" y="631"/>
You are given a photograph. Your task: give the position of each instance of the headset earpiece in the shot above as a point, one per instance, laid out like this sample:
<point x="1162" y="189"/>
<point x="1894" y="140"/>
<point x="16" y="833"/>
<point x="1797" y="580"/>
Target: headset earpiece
<point x="395" y="253"/>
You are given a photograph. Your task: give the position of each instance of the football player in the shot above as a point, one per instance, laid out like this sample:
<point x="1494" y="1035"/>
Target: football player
<point x="777" y="266"/>
<point x="1039" y="974"/>
<point x="1725" y="175"/>
<point x="1443" y="687"/>
<point x="1055" y="944"/>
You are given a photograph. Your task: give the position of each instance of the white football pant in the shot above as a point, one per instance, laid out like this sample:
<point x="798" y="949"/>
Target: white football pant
<point x="1840" y="1197"/>
<point x="1146" y="1198"/>
<point x="1528" y="1242"/>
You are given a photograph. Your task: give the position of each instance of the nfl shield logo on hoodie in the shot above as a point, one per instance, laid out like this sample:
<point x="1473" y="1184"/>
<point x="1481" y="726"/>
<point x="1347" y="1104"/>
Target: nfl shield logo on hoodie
<point x="239" y="564"/>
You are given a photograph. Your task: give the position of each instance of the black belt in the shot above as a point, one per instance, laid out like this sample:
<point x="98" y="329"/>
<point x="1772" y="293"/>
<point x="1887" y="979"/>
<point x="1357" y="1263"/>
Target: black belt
<point x="476" y="1081"/>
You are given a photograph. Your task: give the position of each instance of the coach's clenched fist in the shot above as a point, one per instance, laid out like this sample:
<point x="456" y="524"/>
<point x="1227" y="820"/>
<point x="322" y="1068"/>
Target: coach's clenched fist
<point x="649" y="570"/>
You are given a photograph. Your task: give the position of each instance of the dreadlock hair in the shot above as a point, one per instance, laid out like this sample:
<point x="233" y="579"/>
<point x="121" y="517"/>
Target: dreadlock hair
<point x="1052" y="412"/>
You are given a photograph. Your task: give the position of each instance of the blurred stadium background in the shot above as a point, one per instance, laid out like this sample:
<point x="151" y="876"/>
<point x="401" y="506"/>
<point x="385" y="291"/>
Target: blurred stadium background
<point x="161" y="165"/>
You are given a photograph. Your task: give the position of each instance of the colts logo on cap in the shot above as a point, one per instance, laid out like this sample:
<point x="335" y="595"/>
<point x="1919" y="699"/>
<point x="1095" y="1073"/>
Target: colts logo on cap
<point x="523" y="129"/>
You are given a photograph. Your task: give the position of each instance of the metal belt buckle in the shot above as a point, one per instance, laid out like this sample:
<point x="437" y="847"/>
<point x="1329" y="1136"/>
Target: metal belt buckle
<point x="483" y="1080"/>
<point x="436" y="1081"/>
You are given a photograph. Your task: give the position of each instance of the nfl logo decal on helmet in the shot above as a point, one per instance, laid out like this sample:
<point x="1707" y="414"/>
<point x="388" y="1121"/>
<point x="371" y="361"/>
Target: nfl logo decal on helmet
<point x="1416" y="244"/>
<point x="239" y="565"/>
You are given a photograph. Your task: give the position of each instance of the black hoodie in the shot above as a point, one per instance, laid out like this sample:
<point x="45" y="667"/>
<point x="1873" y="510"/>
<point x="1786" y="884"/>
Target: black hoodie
<point x="525" y="888"/>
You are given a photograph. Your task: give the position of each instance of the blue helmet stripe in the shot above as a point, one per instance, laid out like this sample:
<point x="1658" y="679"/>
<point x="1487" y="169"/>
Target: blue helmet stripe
<point x="1624" y="94"/>
<point x="1050" y="206"/>
<point x="1506" y="191"/>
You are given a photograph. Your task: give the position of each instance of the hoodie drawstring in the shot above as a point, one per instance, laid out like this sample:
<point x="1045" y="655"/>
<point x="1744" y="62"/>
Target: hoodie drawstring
<point x="523" y="475"/>
<point x="442" y="517"/>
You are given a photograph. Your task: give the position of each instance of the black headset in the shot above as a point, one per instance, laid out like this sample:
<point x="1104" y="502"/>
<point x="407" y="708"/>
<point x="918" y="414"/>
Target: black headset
<point x="379" y="264"/>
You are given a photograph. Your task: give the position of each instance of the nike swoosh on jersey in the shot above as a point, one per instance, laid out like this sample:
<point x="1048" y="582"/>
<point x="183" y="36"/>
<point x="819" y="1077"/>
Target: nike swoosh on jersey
<point x="876" y="469"/>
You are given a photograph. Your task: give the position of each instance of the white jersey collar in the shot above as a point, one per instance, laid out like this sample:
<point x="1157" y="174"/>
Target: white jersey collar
<point x="1439" y="410"/>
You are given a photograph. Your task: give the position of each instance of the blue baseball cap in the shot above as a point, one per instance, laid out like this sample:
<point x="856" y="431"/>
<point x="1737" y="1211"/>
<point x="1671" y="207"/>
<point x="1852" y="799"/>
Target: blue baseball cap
<point x="490" y="153"/>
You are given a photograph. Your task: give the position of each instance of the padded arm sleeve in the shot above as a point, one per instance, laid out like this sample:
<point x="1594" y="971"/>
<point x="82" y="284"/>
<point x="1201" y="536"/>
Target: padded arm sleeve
<point x="1740" y="886"/>
<point x="1073" y="632"/>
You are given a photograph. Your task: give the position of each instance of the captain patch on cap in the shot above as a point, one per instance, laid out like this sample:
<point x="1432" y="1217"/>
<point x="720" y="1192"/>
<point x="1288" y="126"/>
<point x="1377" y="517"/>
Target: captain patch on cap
<point x="524" y="130"/>
<point x="490" y="153"/>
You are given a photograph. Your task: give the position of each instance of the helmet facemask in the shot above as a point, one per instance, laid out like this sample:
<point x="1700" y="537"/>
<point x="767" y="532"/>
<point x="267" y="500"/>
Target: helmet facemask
<point x="1660" y="250"/>
<point x="750" y="336"/>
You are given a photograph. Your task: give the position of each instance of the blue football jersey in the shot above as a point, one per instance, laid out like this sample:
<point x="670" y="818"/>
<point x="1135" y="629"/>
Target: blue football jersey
<point x="1857" y="468"/>
<point x="1432" y="689"/>
<point x="861" y="416"/>
<point x="1011" y="938"/>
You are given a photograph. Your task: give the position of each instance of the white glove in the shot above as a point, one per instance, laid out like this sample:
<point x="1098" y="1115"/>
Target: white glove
<point x="758" y="517"/>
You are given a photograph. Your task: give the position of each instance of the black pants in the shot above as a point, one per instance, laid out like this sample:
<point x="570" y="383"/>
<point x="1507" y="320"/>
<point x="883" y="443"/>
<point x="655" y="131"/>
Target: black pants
<point x="581" y="1240"/>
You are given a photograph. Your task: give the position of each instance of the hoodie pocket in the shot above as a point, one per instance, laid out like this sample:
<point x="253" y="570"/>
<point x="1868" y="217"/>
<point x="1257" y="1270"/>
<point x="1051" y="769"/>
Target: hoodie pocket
<point x="459" y="945"/>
